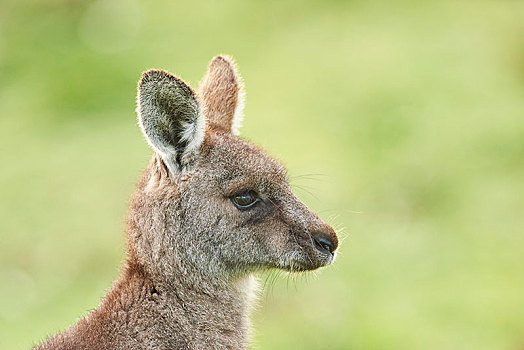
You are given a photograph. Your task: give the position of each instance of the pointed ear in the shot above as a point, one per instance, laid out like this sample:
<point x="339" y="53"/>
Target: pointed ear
<point x="170" y="118"/>
<point x="222" y="94"/>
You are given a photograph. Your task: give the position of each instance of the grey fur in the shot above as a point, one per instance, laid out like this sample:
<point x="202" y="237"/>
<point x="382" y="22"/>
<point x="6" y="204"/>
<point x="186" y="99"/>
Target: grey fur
<point x="187" y="282"/>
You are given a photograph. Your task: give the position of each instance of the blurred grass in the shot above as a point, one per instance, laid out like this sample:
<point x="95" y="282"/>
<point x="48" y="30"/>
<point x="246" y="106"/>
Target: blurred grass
<point x="407" y="118"/>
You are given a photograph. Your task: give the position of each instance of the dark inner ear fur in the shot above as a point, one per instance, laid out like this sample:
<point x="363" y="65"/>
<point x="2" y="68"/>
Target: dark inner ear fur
<point x="168" y="114"/>
<point x="220" y="91"/>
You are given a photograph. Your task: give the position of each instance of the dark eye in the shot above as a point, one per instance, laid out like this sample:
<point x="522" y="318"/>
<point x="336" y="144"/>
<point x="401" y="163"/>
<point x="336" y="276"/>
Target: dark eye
<point x="245" y="200"/>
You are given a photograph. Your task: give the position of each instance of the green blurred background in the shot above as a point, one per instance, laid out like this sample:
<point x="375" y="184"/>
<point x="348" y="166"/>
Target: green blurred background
<point x="401" y="122"/>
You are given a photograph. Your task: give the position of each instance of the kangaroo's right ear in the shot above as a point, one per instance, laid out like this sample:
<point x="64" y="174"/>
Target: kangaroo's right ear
<point x="170" y="118"/>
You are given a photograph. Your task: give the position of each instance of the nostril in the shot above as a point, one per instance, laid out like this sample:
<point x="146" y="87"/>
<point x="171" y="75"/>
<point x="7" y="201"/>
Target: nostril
<point x="323" y="242"/>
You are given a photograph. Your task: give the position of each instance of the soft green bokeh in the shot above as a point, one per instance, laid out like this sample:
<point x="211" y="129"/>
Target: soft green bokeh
<point x="406" y="118"/>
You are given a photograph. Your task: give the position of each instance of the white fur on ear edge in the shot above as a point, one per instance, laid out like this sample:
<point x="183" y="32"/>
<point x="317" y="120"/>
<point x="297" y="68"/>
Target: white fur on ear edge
<point x="238" y="117"/>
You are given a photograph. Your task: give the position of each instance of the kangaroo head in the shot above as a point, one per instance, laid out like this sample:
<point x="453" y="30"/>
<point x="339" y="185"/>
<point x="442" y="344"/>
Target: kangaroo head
<point x="210" y="202"/>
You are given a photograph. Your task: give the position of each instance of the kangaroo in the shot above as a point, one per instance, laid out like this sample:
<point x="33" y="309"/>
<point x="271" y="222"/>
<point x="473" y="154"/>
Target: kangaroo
<point x="209" y="211"/>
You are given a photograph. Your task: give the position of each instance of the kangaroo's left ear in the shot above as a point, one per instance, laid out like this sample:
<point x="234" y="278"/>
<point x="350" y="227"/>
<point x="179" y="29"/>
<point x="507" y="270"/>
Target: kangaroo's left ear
<point x="222" y="94"/>
<point x="170" y="118"/>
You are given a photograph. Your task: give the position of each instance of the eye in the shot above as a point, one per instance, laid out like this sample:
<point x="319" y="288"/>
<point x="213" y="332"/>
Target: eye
<point x="245" y="200"/>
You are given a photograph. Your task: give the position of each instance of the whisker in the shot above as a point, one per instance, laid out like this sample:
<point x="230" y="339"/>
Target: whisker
<point x="305" y="190"/>
<point x="347" y="211"/>
<point x="308" y="176"/>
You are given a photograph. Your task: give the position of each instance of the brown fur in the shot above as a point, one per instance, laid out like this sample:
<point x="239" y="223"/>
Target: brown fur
<point x="220" y="93"/>
<point x="187" y="280"/>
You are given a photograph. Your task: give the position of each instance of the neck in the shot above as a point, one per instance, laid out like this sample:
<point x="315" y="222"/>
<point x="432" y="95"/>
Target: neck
<point x="194" y="314"/>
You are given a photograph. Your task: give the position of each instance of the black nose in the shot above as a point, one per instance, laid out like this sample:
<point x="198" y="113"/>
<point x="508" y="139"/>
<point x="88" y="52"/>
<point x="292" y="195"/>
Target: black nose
<point x="324" y="243"/>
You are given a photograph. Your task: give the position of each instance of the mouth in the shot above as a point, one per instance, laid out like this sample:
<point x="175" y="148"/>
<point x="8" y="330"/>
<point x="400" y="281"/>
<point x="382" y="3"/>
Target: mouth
<point x="300" y="262"/>
<point x="309" y="253"/>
